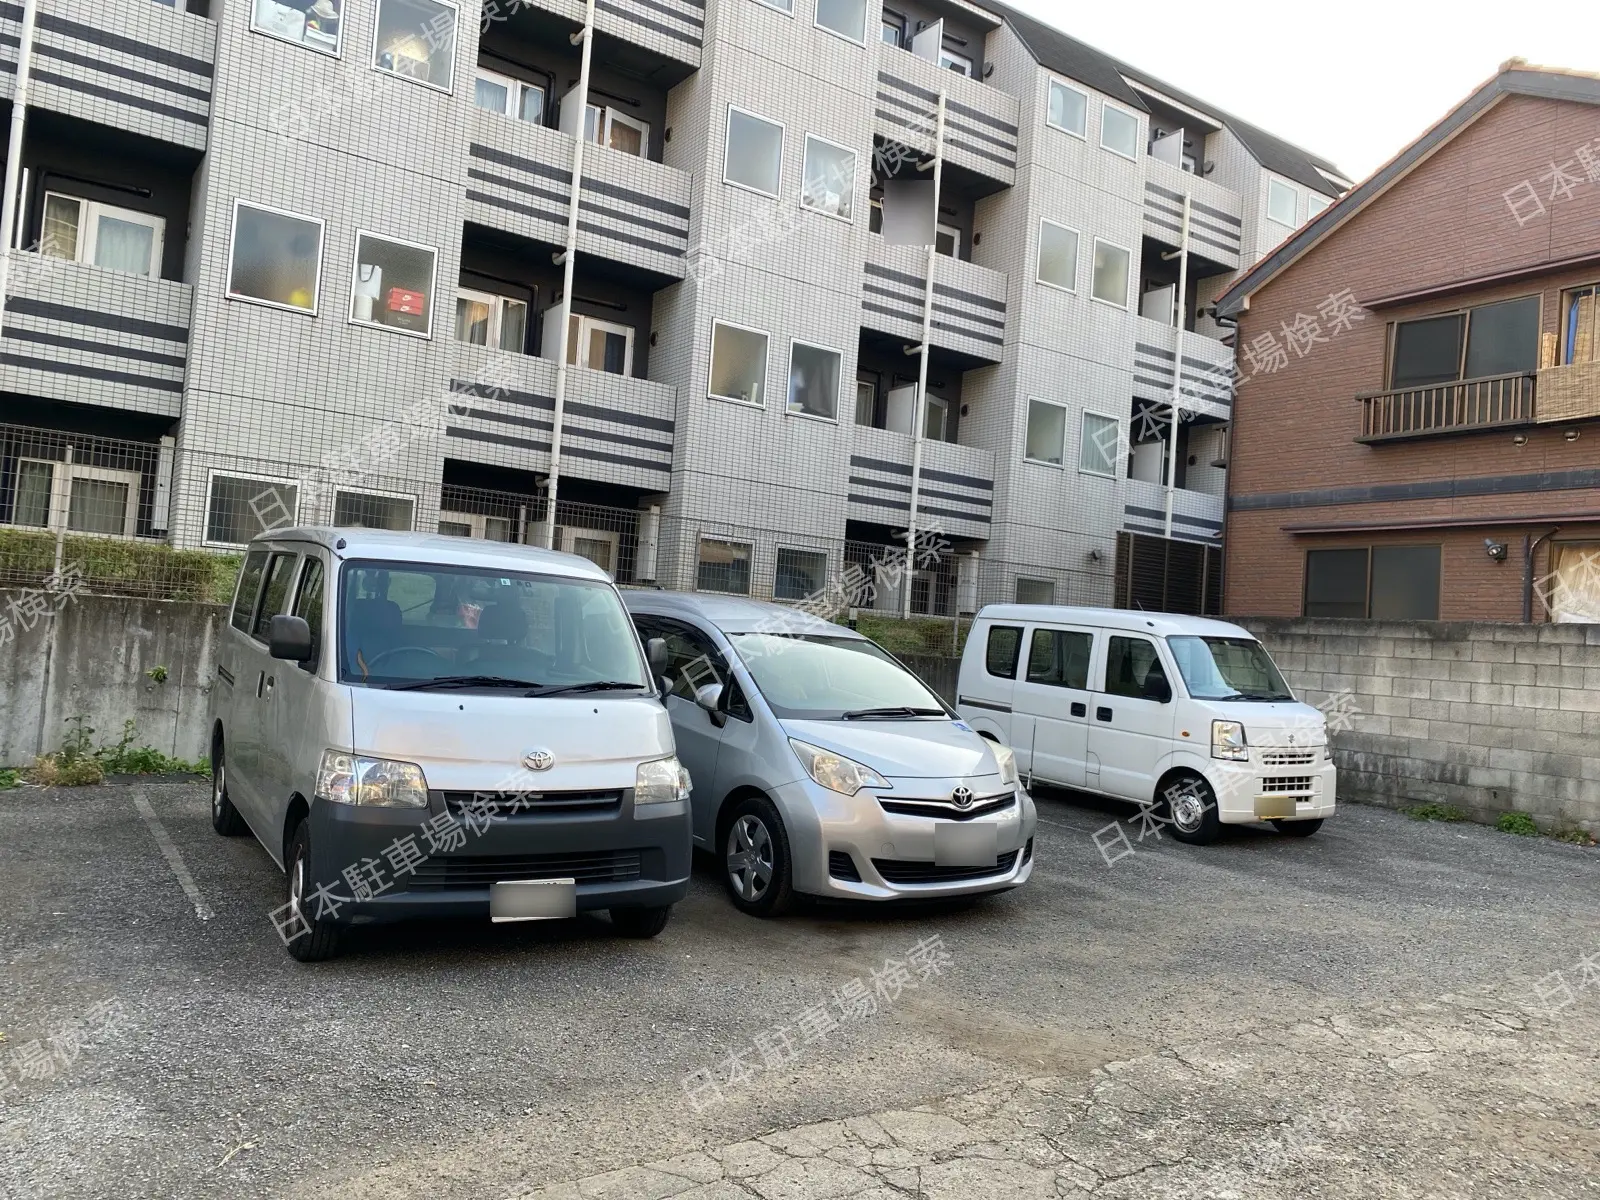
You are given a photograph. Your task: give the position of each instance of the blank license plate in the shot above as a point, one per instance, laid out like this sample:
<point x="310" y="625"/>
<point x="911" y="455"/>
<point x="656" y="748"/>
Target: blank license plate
<point x="973" y="845"/>
<point x="533" y="900"/>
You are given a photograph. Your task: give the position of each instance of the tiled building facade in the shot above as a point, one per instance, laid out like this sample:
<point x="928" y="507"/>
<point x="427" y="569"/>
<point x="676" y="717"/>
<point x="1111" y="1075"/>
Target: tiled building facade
<point x="305" y="261"/>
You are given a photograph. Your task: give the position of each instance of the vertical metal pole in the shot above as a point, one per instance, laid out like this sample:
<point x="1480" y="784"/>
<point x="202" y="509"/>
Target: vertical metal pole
<point x="568" y="257"/>
<point x="1177" y="359"/>
<point x="19" y="124"/>
<point x="921" y="417"/>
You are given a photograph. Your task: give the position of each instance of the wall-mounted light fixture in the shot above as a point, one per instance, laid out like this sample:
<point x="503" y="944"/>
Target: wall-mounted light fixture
<point x="1495" y="550"/>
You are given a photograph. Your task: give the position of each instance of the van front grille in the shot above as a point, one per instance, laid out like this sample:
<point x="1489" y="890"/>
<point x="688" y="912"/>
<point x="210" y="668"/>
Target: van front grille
<point x="1287" y="785"/>
<point x="479" y="871"/>
<point x="502" y="805"/>
<point x="1289" y="758"/>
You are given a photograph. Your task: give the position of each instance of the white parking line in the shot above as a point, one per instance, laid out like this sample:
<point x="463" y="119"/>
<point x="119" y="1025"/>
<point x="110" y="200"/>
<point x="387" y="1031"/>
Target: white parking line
<point x="174" y="859"/>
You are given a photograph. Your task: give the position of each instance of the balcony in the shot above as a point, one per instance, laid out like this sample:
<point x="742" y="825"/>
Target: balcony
<point x="1569" y="393"/>
<point x="969" y="301"/>
<point x="134" y="65"/>
<point x="615" y="429"/>
<point x="634" y="212"/>
<point x="667" y="32"/>
<point x="980" y="121"/>
<point x="1196" y="516"/>
<point x="1216" y="215"/>
<point x="1464" y="406"/>
<point x="957" y="485"/>
<point x="81" y="333"/>
<point x="1206" y="388"/>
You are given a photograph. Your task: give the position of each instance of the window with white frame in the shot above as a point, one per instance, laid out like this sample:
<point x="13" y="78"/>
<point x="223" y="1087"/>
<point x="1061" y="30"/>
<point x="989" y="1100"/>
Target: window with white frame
<point x="1111" y="267"/>
<point x="87" y="231"/>
<point x="959" y="63"/>
<point x="1067" y="108"/>
<point x="866" y="397"/>
<point x="754" y="155"/>
<point x="606" y="126"/>
<point x="485" y="319"/>
<point x="416" y="39"/>
<point x="240" y="506"/>
<point x="315" y="25"/>
<point x="1281" y="202"/>
<point x="799" y="574"/>
<point x="511" y="97"/>
<point x="599" y="345"/>
<point x="393" y="284"/>
<point x="1097" y="453"/>
<point x="1119" y="131"/>
<point x="847" y="18"/>
<point x="1058" y="256"/>
<point x="784" y="6"/>
<point x="373" y="510"/>
<point x="1047" y="432"/>
<point x="738" y="363"/>
<point x="814" y="380"/>
<point x="936" y="419"/>
<point x="829" y="178"/>
<point x="947" y="240"/>
<point x="1315" y="205"/>
<point x="602" y="547"/>
<point x="74" y="497"/>
<point x="275" y="257"/>
<point x="723" y="566"/>
<point x="477" y="525"/>
<point x="1035" y="591"/>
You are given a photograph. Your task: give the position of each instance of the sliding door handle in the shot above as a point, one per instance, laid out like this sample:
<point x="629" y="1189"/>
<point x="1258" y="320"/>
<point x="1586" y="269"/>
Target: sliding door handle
<point x="1079" y="709"/>
<point x="1102" y="714"/>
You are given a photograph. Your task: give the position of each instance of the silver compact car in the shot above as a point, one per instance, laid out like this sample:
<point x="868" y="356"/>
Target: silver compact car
<point x="821" y="766"/>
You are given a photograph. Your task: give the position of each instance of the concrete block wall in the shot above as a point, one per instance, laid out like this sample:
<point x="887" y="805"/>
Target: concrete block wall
<point x="1488" y="717"/>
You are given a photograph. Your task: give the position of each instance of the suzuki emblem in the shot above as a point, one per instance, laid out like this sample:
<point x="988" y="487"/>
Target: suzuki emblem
<point x="962" y="797"/>
<point x="538" y="760"/>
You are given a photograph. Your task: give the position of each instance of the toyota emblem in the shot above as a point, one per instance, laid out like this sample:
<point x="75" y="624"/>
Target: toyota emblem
<point x="538" y="760"/>
<point x="961" y="797"/>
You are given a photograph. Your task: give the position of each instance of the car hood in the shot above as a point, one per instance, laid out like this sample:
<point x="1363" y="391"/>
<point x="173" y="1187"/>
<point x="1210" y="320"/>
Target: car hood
<point x="907" y="749"/>
<point x="470" y="741"/>
<point x="1280" y="723"/>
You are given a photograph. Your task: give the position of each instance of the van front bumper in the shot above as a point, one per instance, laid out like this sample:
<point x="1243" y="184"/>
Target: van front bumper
<point x="377" y="862"/>
<point x="1256" y="791"/>
<point x="891" y="855"/>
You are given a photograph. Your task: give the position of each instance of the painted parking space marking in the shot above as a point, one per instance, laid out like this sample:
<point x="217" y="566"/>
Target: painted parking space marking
<point x="174" y="859"/>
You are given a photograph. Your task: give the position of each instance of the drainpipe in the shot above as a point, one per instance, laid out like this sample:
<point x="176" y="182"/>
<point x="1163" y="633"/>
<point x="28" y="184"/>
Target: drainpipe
<point x="19" y="123"/>
<point x="1530" y="547"/>
<point x="567" y="258"/>
<point x="1177" y="361"/>
<point x="921" y="417"/>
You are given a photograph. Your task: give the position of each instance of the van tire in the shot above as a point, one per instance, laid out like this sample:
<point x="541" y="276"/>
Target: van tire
<point x="1299" y="828"/>
<point x="640" y="922"/>
<point x="225" y="818"/>
<point x="756" y="821"/>
<point x="1181" y="820"/>
<point x="317" y="940"/>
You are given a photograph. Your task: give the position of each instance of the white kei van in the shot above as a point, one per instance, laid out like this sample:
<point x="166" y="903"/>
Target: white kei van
<point x="1184" y="715"/>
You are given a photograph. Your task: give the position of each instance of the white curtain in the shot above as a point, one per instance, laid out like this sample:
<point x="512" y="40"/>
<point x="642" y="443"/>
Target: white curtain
<point x="123" y="245"/>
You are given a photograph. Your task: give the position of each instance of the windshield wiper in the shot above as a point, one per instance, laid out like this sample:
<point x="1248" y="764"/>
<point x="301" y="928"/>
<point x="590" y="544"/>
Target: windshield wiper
<point x="1259" y="696"/>
<point x="455" y="681"/>
<point x="594" y="685"/>
<point x="898" y="710"/>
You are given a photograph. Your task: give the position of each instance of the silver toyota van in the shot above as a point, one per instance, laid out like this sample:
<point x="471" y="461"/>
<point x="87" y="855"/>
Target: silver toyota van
<point x="420" y="725"/>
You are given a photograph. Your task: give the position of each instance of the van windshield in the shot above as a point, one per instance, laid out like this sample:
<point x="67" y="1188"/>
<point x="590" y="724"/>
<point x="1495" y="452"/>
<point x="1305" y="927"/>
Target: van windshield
<point x="426" y="625"/>
<point x="1222" y="668"/>
<point x="833" y="679"/>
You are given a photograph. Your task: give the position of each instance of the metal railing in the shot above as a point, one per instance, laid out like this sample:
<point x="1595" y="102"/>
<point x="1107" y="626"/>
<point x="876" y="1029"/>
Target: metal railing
<point x="606" y="536"/>
<point x="1490" y="401"/>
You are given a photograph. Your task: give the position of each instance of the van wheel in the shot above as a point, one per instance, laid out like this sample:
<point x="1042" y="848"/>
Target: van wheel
<point x="640" y="922"/>
<point x="755" y="859"/>
<point x="225" y="818"/>
<point x="313" y="939"/>
<point x="1189" y="809"/>
<point x="1299" y="828"/>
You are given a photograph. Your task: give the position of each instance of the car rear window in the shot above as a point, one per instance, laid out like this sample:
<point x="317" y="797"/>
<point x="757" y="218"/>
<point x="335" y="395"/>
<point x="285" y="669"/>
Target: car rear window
<point x="1000" y="655"/>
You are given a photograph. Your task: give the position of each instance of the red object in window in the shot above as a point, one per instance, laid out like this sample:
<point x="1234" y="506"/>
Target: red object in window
<point x="402" y="301"/>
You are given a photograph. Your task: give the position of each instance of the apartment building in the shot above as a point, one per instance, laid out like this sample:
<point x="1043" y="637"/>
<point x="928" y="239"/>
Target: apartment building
<point x="821" y="289"/>
<point x="1430" y="344"/>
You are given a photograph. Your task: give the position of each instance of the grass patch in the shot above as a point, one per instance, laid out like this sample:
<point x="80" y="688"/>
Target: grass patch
<point x="115" y="566"/>
<point x="1576" y="837"/>
<point x="916" y="635"/>
<point x="1434" y="812"/>
<point x="9" y="778"/>
<point x="1519" y="823"/>
<point x="80" y="763"/>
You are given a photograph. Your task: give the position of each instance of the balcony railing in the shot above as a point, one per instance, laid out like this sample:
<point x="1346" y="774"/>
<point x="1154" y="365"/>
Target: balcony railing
<point x="980" y="121"/>
<point x="1460" y="406"/>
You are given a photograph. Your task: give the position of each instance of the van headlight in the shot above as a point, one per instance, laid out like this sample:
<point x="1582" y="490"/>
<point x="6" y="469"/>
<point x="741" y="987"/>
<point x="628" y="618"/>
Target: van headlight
<point x="661" y="781"/>
<point x="834" y="771"/>
<point x="379" y="782"/>
<point x="1227" y="741"/>
<point x="1007" y="762"/>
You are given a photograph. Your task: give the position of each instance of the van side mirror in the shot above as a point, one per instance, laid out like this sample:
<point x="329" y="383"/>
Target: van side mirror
<point x="709" y="698"/>
<point x="289" y="638"/>
<point x="1157" y="688"/>
<point x="655" y="650"/>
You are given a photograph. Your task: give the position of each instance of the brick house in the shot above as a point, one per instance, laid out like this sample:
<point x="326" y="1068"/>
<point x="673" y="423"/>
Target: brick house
<point x="1416" y="434"/>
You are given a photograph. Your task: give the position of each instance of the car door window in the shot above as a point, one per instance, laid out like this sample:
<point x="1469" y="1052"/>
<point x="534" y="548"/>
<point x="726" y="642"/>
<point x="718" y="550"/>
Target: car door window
<point x="308" y="607"/>
<point x="1133" y="668"/>
<point x="693" y="662"/>
<point x="275" y="593"/>
<point x="1060" y="658"/>
<point x="1001" y="652"/>
<point x="244" y="605"/>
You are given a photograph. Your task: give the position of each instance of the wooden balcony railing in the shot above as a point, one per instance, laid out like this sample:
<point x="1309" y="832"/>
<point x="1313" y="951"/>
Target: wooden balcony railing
<point x="1456" y="407"/>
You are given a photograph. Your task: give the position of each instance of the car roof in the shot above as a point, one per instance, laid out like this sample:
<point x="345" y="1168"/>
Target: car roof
<point x="733" y="614"/>
<point x="435" y="549"/>
<point x="1135" y="620"/>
